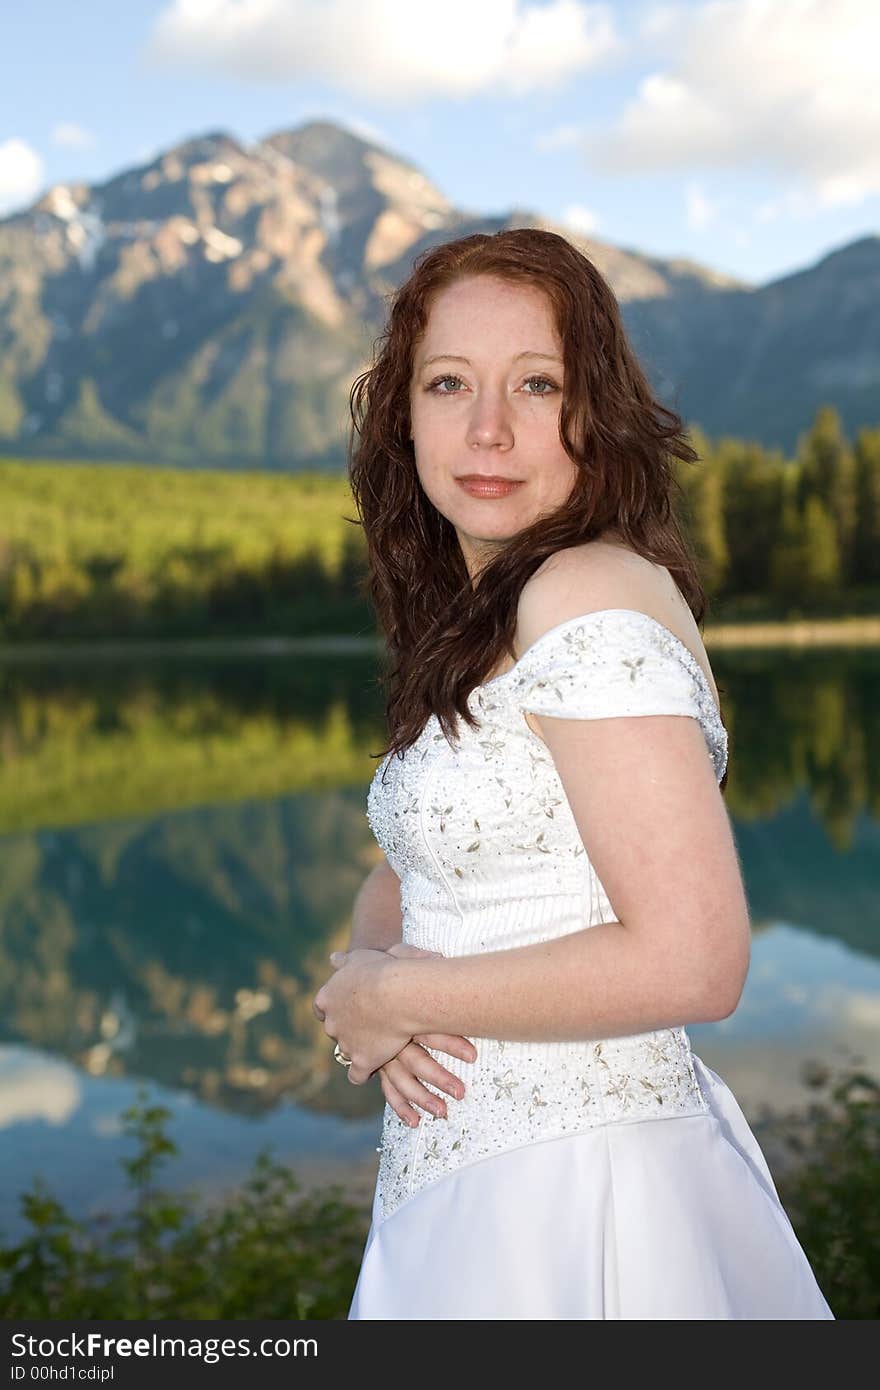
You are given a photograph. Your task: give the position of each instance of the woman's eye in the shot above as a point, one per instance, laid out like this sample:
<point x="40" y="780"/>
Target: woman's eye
<point x="541" y="380"/>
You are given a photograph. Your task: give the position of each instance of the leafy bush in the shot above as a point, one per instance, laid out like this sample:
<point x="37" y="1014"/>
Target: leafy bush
<point x="261" y="1254"/>
<point x="832" y="1193"/>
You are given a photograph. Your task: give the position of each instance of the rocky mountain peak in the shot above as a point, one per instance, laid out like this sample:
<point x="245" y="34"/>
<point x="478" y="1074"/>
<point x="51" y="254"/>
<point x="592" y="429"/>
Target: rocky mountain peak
<point x="217" y="300"/>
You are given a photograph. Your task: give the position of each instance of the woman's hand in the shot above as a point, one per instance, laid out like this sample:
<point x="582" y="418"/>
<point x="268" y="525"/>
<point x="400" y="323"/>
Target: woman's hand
<point x="399" y="1072"/>
<point x="401" y="1078"/>
<point x="351" y="1009"/>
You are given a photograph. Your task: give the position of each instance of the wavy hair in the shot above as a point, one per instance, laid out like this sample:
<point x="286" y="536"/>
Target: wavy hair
<point x="444" y="632"/>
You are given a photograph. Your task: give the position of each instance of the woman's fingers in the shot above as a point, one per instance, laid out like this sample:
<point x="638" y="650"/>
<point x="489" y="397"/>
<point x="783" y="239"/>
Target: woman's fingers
<point x="409" y="1072"/>
<point x="453" y="1043"/>
<point x="421" y="1064"/>
<point x="403" y="1077"/>
<point x="395" y="1098"/>
<point x="406" y="1087"/>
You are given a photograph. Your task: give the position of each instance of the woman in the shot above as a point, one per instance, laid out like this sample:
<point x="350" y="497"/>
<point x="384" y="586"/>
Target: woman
<point x="561" y="893"/>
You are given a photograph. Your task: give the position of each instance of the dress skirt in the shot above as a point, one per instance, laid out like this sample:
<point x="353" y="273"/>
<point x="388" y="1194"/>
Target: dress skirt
<point x="660" y="1218"/>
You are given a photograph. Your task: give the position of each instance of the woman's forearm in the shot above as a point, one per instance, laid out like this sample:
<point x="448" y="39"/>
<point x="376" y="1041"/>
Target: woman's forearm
<point x="376" y="914"/>
<point x="601" y="982"/>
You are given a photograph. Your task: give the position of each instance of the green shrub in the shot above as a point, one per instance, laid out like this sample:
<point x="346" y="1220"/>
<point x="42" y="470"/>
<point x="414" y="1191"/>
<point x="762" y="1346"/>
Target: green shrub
<point x="832" y="1193"/>
<point x="260" y="1254"/>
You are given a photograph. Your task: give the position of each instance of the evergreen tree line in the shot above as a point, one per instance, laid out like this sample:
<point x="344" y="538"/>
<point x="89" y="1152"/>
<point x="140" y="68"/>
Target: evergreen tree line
<point x="118" y="551"/>
<point x="801" y="534"/>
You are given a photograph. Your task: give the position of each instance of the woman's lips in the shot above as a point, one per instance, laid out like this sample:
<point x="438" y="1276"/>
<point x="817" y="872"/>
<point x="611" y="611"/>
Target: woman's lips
<point x="488" y="487"/>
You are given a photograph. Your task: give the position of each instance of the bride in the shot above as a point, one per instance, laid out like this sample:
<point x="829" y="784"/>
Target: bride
<point x="560" y="894"/>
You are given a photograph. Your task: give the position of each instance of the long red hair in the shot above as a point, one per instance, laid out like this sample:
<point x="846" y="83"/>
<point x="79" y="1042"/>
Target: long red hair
<point x="444" y="633"/>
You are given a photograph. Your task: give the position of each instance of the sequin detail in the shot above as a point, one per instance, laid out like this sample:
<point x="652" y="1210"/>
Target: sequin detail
<point x="523" y="1093"/>
<point x="618" y="661"/>
<point x="481" y="834"/>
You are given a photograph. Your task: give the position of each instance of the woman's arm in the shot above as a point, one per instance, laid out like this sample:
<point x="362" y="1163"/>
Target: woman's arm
<point x="601" y="982"/>
<point x="376" y="914"/>
<point x="645" y="799"/>
<point x="643" y="792"/>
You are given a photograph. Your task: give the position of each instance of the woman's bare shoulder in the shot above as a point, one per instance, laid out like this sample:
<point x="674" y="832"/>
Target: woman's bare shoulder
<point x="602" y="573"/>
<point x="599" y="574"/>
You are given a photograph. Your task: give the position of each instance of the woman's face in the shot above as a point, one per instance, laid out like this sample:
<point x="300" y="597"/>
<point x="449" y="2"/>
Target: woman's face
<point x="485" y="397"/>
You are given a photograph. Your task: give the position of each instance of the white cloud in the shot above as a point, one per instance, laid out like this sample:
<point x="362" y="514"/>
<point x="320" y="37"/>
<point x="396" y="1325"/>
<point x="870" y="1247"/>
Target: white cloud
<point x="21" y="174"/>
<point x="787" y="88"/>
<point x="658" y="21"/>
<point x="394" y="51"/>
<point x="793" y="203"/>
<point x="699" y="208"/>
<point x="71" y="135"/>
<point x="34" y="1087"/>
<point x="863" y="1008"/>
<point x="580" y="219"/>
<point x="561" y="137"/>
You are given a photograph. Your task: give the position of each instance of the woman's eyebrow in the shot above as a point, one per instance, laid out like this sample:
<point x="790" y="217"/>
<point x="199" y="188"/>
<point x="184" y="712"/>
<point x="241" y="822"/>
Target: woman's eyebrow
<point x="453" y="357"/>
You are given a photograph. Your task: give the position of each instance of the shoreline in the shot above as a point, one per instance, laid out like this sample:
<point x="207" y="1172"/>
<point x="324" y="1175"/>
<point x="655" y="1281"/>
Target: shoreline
<point x="796" y="632"/>
<point x="800" y="632"/>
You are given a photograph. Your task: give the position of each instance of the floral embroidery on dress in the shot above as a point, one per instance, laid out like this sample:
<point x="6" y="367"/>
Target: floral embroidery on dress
<point x="482" y="836"/>
<point x="546" y="1091"/>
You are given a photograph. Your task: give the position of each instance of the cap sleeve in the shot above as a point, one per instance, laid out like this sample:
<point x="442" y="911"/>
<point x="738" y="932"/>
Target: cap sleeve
<point x="618" y="661"/>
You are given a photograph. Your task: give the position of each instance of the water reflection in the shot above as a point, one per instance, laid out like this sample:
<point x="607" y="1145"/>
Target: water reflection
<point x="57" y="1122"/>
<point x="181" y="843"/>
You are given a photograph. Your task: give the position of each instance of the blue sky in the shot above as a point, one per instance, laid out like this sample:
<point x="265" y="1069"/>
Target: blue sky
<point x="743" y="134"/>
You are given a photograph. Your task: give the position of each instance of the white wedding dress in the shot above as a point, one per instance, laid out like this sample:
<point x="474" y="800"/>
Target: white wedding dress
<point x="613" y="1178"/>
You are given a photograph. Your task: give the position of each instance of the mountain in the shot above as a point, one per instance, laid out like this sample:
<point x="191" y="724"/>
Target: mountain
<point x="757" y="363"/>
<point x="215" y="304"/>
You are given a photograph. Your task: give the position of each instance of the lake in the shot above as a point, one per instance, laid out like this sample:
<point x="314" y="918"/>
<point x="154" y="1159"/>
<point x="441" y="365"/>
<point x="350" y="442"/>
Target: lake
<point x="182" y="835"/>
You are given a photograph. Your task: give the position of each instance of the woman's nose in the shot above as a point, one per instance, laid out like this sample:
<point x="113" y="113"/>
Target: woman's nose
<point x="489" y="422"/>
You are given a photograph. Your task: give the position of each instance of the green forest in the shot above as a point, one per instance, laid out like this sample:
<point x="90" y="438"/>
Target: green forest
<point x="118" y="551"/>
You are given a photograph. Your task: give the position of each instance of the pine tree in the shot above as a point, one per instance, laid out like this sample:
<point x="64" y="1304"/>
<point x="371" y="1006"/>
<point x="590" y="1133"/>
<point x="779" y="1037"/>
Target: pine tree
<point x="806" y="563"/>
<point x="754" y="492"/>
<point x="703" y="498"/>
<point x="866" y="545"/>
<point x="827" y="473"/>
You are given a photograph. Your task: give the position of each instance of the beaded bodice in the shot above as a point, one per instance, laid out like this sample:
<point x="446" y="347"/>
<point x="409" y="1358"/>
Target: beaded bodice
<point x="481" y="834"/>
